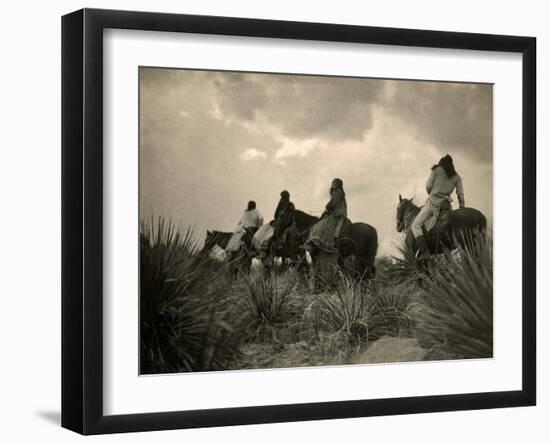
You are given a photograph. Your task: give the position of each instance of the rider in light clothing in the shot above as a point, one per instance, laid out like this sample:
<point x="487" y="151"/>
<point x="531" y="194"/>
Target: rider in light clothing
<point x="251" y="220"/>
<point x="442" y="182"/>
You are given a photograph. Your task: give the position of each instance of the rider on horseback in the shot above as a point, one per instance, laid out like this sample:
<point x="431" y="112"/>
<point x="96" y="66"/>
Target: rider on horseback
<point x="327" y="229"/>
<point x="442" y="182"/>
<point x="284" y="216"/>
<point x="250" y="221"/>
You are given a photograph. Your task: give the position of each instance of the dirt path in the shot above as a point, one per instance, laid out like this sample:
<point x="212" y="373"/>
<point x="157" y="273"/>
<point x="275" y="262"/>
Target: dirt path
<point x="393" y="349"/>
<point x="386" y="349"/>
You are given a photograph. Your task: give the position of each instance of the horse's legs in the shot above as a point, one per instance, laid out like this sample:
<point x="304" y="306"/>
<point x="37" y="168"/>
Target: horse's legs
<point x="313" y="284"/>
<point x="365" y="268"/>
<point x="268" y="261"/>
<point x="326" y="269"/>
<point x="340" y="262"/>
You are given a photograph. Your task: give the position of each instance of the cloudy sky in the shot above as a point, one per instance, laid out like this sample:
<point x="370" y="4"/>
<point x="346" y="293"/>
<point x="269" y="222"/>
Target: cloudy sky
<point x="211" y="141"/>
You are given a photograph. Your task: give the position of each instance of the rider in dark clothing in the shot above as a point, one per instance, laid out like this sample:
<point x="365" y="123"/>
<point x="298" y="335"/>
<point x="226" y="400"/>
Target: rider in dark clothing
<point x="284" y="215"/>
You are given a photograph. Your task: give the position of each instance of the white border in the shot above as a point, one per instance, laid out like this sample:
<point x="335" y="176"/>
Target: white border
<point x="126" y="392"/>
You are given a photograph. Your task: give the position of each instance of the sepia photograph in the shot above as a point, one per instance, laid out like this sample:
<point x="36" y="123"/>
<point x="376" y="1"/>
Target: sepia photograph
<point x="293" y="220"/>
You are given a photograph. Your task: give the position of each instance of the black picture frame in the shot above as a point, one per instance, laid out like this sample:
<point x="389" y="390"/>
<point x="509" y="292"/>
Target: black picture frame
<point x="82" y="220"/>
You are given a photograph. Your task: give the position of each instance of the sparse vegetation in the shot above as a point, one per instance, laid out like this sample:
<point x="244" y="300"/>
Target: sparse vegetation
<point x="269" y="301"/>
<point x="195" y="316"/>
<point x="387" y="310"/>
<point x="340" y="316"/>
<point x="186" y="322"/>
<point x="458" y="316"/>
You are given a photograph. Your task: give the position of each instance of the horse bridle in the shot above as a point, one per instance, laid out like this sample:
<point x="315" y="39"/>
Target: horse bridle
<point x="402" y="225"/>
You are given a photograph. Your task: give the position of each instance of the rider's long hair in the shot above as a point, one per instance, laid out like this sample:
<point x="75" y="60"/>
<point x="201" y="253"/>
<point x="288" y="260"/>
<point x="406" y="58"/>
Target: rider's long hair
<point x="448" y="166"/>
<point x="339" y="185"/>
<point x="251" y="205"/>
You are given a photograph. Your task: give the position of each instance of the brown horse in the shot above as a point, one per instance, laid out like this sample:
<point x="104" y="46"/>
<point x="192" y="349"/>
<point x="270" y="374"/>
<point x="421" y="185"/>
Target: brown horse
<point x="358" y="244"/>
<point x="463" y="222"/>
<point x="354" y="252"/>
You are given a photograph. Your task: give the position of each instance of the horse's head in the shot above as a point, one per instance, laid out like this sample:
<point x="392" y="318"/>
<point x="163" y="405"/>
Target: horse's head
<point x="401" y="210"/>
<point x="211" y="239"/>
<point x="208" y="239"/>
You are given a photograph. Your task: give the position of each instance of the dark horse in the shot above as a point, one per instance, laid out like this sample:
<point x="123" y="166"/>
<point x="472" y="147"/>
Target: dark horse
<point x="294" y="237"/>
<point x="218" y="238"/>
<point x="289" y="248"/>
<point x="462" y="222"/>
<point x="358" y="242"/>
<point x="243" y="258"/>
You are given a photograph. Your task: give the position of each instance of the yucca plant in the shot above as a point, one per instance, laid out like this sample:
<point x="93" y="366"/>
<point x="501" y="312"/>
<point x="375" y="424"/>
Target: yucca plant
<point x="184" y="312"/>
<point x="340" y="315"/>
<point x="388" y="310"/>
<point x="458" y="318"/>
<point x="269" y="301"/>
<point x="400" y="269"/>
<point x="345" y="308"/>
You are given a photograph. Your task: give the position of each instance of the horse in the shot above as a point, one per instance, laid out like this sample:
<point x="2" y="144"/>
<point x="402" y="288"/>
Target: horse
<point x="243" y="258"/>
<point x="463" y="223"/>
<point x="358" y="242"/>
<point x="290" y="246"/>
<point x="216" y="238"/>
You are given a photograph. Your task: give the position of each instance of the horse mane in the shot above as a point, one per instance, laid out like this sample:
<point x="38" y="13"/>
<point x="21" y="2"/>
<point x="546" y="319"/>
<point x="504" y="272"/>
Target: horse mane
<point x="410" y="208"/>
<point x="218" y="233"/>
<point x="409" y="211"/>
<point x="304" y="220"/>
<point x="219" y="238"/>
<point x="410" y="203"/>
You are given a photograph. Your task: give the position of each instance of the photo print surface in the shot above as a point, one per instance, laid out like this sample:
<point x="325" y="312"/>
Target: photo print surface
<point x="297" y="220"/>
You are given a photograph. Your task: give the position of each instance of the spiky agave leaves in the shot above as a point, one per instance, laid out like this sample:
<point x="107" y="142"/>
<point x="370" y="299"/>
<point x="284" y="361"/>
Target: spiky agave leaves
<point x="268" y="300"/>
<point x="387" y="310"/>
<point x="183" y="308"/>
<point x="342" y="313"/>
<point x="400" y="269"/>
<point x="458" y="318"/>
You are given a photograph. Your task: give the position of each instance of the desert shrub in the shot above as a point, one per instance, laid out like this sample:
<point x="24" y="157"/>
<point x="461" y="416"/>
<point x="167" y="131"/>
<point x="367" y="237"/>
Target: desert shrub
<point x="186" y="321"/>
<point x="337" y="319"/>
<point x="458" y="317"/>
<point x="388" y="310"/>
<point x="400" y="269"/>
<point x="269" y="301"/>
<point x="344" y="310"/>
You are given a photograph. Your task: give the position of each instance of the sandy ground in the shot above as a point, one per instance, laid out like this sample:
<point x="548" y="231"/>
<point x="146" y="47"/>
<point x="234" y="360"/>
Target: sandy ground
<point x="384" y="350"/>
<point x="393" y="349"/>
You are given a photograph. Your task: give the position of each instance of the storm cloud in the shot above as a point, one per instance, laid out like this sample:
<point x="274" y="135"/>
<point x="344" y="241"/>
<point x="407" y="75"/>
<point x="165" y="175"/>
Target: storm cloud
<point x="210" y="141"/>
<point x="301" y="106"/>
<point x="452" y="116"/>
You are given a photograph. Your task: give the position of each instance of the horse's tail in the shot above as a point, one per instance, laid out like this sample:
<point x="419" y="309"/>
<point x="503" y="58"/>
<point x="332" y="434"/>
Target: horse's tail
<point x="372" y="256"/>
<point x="470" y="225"/>
<point x="365" y="241"/>
<point x="482" y="226"/>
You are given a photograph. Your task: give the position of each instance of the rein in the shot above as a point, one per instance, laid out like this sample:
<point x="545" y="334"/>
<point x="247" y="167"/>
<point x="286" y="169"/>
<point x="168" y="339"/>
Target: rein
<point x="304" y="231"/>
<point x="410" y="214"/>
<point x="300" y="233"/>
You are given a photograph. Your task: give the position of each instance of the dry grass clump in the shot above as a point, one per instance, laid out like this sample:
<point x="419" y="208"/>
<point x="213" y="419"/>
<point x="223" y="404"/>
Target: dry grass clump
<point x="270" y="301"/>
<point x="388" y="310"/>
<point x="336" y="320"/>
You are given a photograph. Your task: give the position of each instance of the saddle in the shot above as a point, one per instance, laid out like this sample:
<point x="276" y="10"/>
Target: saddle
<point x="343" y="229"/>
<point x="443" y="223"/>
<point x="285" y="236"/>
